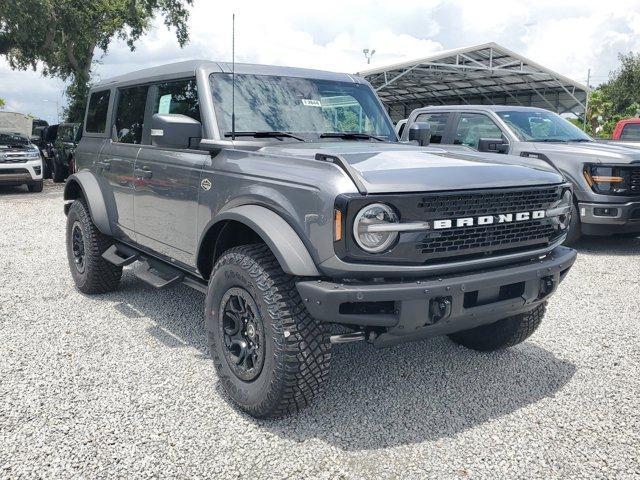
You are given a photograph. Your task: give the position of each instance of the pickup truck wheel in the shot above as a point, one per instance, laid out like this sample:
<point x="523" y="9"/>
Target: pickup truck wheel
<point x="46" y="168"/>
<point x="575" y="228"/>
<point x="85" y="246"/>
<point x="271" y="356"/>
<point x="504" y="333"/>
<point x="35" y="186"/>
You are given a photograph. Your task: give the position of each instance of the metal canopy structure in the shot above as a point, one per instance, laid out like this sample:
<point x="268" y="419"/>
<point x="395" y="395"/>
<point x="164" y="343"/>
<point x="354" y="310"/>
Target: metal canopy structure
<point x="480" y="74"/>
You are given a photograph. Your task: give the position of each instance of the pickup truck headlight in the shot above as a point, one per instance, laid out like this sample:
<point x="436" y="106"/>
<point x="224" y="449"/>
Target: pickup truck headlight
<point x="609" y="180"/>
<point x="373" y="227"/>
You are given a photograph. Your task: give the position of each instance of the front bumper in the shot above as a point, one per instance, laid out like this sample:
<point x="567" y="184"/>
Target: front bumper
<point x="608" y="218"/>
<point x="438" y="306"/>
<point x="19" y="173"/>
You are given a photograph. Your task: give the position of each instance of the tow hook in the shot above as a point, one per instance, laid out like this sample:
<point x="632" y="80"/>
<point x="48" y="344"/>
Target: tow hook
<point x="439" y="308"/>
<point x="547" y="285"/>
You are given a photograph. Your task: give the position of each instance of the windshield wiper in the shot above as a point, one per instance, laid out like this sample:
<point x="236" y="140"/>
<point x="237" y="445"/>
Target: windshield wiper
<point x="580" y="140"/>
<point x="264" y="134"/>
<point x="351" y="136"/>
<point x="555" y="140"/>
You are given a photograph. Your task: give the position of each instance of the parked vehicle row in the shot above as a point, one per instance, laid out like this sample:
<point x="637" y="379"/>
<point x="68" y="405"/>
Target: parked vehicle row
<point x="605" y="176"/>
<point x="285" y="196"/>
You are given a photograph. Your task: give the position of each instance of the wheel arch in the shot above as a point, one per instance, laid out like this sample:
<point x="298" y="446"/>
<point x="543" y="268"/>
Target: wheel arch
<point x="83" y="185"/>
<point x="251" y="223"/>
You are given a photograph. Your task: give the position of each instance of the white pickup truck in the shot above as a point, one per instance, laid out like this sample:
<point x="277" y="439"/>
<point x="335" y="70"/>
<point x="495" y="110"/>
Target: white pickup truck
<point x="20" y="160"/>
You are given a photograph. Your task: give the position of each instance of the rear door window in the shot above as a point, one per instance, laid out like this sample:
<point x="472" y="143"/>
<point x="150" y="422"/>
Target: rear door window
<point x="631" y="131"/>
<point x="438" y="123"/>
<point x="129" y="121"/>
<point x="97" y="111"/>
<point x="474" y="126"/>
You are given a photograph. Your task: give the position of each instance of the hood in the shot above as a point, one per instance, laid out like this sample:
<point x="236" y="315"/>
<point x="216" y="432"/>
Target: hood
<point x="591" y="152"/>
<point x="394" y="167"/>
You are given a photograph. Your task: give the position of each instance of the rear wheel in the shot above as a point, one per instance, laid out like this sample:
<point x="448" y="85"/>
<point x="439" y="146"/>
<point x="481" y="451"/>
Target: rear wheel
<point x="46" y="168"/>
<point x="271" y="356"/>
<point x="504" y="333"/>
<point x="35" y="186"/>
<point x="85" y="246"/>
<point x="59" y="170"/>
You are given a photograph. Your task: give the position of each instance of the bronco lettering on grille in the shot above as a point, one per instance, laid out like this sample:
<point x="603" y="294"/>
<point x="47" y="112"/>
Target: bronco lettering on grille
<point x="487" y="219"/>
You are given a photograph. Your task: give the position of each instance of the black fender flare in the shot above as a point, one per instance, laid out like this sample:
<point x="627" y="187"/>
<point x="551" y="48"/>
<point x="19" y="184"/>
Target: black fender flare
<point x="284" y="242"/>
<point x="84" y="184"/>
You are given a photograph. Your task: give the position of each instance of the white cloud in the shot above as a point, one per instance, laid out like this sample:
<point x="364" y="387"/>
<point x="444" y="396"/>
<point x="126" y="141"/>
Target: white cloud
<point x="569" y="36"/>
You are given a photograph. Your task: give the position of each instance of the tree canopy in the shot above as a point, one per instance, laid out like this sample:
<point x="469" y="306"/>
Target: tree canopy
<point x="64" y="35"/>
<point x="617" y="98"/>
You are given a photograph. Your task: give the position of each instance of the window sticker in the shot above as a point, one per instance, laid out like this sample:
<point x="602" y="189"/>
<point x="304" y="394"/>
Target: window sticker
<point x="311" y="103"/>
<point x="165" y="104"/>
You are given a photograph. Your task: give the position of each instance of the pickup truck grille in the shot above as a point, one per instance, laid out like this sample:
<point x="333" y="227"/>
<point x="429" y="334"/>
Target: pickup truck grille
<point x="635" y="180"/>
<point x="487" y="238"/>
<point x="13" y="157"/>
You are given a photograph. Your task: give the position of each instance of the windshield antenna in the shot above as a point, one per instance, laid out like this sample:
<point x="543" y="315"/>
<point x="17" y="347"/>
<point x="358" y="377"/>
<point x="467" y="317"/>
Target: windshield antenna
<point x="233" y="76"/>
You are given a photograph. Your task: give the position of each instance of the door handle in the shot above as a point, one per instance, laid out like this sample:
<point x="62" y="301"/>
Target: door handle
<point x="105" y="165"/>
<point x="143" y="172"/>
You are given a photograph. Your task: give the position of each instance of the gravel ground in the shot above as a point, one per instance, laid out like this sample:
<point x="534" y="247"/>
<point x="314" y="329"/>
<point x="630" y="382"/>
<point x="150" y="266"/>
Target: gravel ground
<point x="121" y="385"/>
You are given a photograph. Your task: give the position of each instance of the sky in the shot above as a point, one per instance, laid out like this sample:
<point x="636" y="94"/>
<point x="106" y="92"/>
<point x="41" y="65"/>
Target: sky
<point x="569" y="37"/>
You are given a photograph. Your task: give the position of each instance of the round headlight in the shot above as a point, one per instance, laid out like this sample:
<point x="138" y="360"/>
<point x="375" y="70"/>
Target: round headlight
<point x="373" y="227"/>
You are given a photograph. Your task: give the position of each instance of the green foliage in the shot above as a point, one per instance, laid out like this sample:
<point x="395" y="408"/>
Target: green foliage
<point x="2" y="103"/>
<point x="63" y="35"/>
<point x="616" y="99"/>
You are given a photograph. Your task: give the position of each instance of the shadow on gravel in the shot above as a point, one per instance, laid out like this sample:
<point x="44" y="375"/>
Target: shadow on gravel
<point x="376" y="398"/>
<point x="614" y="245"/>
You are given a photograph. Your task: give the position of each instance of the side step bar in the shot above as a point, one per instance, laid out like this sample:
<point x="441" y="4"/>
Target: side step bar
<point x="152" y="271"/>
<point x="120" y="255"/>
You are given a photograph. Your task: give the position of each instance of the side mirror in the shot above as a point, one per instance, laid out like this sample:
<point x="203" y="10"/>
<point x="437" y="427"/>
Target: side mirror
<point x="420" y="132"/>
<point x="492" y="145"/>
<point x="173" y="130"/>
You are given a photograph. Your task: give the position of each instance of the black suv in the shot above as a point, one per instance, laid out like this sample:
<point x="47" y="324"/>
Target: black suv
<point x="285" y="196"/>
<point x="64" y="147"/>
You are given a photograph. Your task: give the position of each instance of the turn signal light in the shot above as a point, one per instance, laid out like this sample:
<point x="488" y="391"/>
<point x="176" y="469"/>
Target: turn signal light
<point x="337" y="225"/>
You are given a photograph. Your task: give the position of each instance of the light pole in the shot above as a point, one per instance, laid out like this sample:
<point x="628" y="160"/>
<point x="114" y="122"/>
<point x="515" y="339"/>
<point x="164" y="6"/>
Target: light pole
<point x="368" y="54"/>
<point x="57" y="107"/>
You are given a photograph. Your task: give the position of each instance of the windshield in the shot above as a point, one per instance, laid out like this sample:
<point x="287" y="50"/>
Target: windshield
<point x="542" y="126"/>
<point x="10" y="138"/>
<point x="305" y="107"/>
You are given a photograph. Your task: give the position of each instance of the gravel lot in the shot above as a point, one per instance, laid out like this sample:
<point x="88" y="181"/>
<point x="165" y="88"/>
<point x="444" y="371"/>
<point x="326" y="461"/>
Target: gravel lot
<point x="121" y="385"/>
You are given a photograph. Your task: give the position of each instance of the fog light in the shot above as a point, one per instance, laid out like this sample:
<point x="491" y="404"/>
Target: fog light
<point x="605" y="212"/>
<point x="37" y="170"/>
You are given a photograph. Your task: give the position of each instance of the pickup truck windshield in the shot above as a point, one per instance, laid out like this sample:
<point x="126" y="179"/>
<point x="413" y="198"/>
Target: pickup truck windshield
<point x="536" y="126"/>
<point x="304" y="107"/>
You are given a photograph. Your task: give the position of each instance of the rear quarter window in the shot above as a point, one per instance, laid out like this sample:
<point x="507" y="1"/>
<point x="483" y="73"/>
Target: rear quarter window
<point x="631" y="131"/>
<point x="97" y="111"/>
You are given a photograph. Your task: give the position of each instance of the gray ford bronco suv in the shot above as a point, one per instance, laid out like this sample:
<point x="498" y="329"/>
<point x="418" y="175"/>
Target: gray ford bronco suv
<point x="605" y="177"/>
<point x="285" y="196"/>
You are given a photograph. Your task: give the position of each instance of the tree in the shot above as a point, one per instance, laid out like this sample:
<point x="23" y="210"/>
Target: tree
<point x="64" y="35"/>
<point x="623" y="86"/>
<point x="2" y="103"/>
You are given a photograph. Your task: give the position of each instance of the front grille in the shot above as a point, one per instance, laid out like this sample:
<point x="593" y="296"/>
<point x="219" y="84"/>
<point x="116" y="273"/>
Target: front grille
<point x="487" y="239"/>
<point x="13" y="171"/>
<point x="635" y="180"/>
<point x="13" y="158"/>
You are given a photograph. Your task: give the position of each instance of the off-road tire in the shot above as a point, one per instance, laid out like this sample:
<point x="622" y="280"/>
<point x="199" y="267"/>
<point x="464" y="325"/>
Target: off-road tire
<point x="59" y="173"/>
<point x="296" y="346"/>
<point x="99" y="276"/>
<point x="575" y="229"/>
<point x="35" y="187"/>
<point x="504" y="333"/>
<point x="46" y="168"/>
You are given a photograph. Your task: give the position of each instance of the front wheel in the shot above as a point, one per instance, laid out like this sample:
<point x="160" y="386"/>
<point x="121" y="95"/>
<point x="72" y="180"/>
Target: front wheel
<point x="575" y="227"/>
<point x="35" y="186"/>
<point x="59" y="172"/>
<point x="271" y="356"/>
<point x="504" y="333"/>
<point x="85" y="246"/>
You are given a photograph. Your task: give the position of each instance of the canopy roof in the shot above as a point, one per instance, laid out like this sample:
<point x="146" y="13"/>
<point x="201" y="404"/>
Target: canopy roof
<point x="480" y="74"/>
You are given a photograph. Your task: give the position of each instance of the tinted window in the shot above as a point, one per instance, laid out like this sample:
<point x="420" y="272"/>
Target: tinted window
<point x="474" y="126"/>
<point x="97" y="111"/>
<point x="178" y="97"/>
<point x="438" y="122"/>
<point x="631" y="131"/>
<point x="130" y="114"/>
